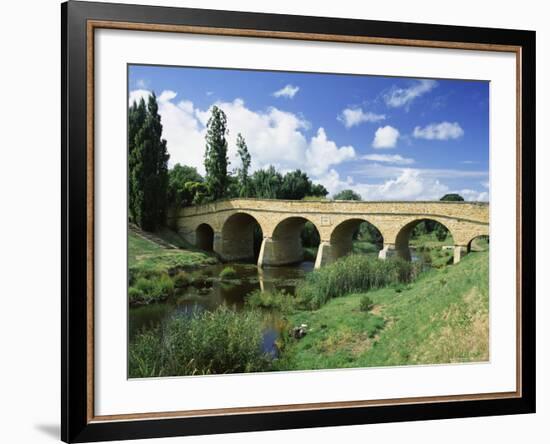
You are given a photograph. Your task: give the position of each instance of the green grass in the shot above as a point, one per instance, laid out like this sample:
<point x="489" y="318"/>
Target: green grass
<point x="442" y="317"/>
<point x="430" y="240"/>
<point x="155" y="270"/>
<point x="350" y="274"/>
<point x="365" y="247"/>
<point x="271" y="300"/>
<point x="147" y="256"/>
<point x="228" y="273"/>
<point x="221" y="341"/>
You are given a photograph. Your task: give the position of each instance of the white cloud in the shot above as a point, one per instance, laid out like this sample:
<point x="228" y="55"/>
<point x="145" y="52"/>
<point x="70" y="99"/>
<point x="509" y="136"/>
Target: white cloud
<point x="137" y="94"/>
<point x="409" y="185"/>
<point x="379" y="171"/>
<point x="389" y="158"/>
<point x="321" y="149"/>
<point x="439" y="131"/>
<point x="385" y="137"/>
<point x="166" y="96"/>
<point x="403" y="97"/>
<point x="355" y="116"/>
<point x="274" y="137"/>
<point x="473" y="195"/>
<point x="405" y="184"/>
<point x="288" y="91"/>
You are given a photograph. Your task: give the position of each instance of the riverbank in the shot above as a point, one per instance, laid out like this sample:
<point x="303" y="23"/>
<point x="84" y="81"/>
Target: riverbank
<point x="443" y="317"/>
<point x="160" y="262"/>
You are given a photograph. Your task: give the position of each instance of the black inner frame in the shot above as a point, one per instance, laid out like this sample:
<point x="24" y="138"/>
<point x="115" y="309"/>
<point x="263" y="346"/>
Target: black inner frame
<point x="74" y="424"/>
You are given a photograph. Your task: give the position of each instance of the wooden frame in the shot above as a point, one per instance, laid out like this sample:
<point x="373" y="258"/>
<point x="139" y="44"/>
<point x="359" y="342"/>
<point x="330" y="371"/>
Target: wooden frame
<point x="79" y="21"/>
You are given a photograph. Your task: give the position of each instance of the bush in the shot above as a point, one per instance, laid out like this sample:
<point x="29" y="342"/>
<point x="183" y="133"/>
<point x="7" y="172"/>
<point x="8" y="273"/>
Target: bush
<point x="228" y="273"/>
<point x="365" y="303"/>
<point x="427" y="258"/>
<point x="145" y="290"/>
<point x="276" y="300"/>
<point x="221" y="341"/>
<point x="182" y="280"/>
<point x="355" y="273"/>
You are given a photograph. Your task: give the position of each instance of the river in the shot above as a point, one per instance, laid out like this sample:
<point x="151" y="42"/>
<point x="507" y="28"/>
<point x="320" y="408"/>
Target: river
<point x="213" y="292"/>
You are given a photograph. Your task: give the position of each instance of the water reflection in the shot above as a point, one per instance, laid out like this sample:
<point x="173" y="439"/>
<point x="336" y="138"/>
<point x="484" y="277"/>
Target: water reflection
<point x="209" y="292"/>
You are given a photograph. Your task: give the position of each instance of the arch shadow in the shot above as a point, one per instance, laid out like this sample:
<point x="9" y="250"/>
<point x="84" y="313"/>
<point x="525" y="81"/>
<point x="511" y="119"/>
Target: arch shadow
<point x="241" y="236"/>
<point x="478" y="243"/>
<point x="204" y="237"/>
<point x="287" y="241"/>
<point x="402" y="241"/>
<point x="344" y="234"/>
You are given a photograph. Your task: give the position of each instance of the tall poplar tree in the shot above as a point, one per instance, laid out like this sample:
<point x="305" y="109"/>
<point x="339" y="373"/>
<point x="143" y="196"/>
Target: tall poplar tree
<point x="136" y="119"/>
<point x="215" y="156"/>
<point x="242" y="173"/>
<point x="148" y="166"/>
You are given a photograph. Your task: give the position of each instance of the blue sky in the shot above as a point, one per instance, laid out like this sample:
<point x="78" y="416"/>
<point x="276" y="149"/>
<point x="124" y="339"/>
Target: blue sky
<point x="388" y="138"/>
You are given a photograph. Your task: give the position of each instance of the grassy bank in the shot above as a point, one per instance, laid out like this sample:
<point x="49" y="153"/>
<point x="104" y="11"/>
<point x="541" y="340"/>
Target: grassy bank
<point x="440" y="318"/>
<point x="155" y="268"/>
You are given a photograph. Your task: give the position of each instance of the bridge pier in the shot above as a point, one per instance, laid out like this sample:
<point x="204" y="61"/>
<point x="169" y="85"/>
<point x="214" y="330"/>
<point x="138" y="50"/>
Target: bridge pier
<point x="387" y="251"/>
<point x="324" y="255"/>
<point x="280" y="252"/>
<point x="459" y="252"/>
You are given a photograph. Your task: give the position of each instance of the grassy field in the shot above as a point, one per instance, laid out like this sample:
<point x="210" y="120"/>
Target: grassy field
<point x="145" y="255"/>
<point x="440" y="318"/>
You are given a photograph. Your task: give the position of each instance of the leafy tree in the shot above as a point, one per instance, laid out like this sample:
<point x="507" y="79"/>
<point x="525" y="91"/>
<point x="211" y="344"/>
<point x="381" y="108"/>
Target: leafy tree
<point x="244" y="185"/>
<point x="347" y="195"/>
<point x="215" y="157"/>
<point x="179" y="194"/>
<point x="452" y="197"/>
<point x="198" y="191"/>
<point x="318" y="190"/>
<point x="296" y="185"/>
<point x="310" y="235"/>
<point x="267" y="183"/>
<point x="441" y="232"/>
<point x="148" y="166"/>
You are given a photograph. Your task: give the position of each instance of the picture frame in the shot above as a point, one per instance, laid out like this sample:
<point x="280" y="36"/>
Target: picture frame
<point x="80" y="21"/>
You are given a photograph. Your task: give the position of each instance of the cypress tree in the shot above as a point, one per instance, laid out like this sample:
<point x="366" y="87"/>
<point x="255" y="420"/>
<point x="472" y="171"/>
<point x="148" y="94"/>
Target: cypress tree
<point x="215" y="156"/>
<point x="242" y="173"/>
<point x="148" y="167"/>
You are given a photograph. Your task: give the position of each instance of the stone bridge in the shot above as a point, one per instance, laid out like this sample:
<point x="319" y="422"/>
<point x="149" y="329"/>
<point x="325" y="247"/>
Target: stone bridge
<point x="227" y="227"/>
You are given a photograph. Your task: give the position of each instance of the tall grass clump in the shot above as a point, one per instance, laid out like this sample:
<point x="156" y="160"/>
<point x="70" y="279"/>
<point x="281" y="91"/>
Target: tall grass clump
<point x="150" y="289"/>
<point x="354" y="273"/>
<point x="228" y="273"/>
<point x="271" y="300"/>
<point x="221" y="341"/>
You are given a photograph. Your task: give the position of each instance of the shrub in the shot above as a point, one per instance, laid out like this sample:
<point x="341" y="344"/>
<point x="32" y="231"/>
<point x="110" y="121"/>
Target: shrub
<point x="228" y="273"/>
<point x="182" y="280"/>
<point x="365" y="303"/>
<point x="427" y="258"/>
<point x="145" y="291"/>
<point x="221" y="341"/>
<point x="355" y="273"/>
<point x="135" y="296"/>
<point x="277" y="300"/>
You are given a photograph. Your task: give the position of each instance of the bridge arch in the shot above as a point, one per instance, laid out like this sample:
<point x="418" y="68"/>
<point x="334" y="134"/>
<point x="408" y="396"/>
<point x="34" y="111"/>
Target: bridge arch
<point x="478" y="243"/>
<point x="237" y="240"/>
<point x="403" y="237"/>
<point x="342" y="236"/>
<point x="204" y="237"/>
<point x="285" y="244"/>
